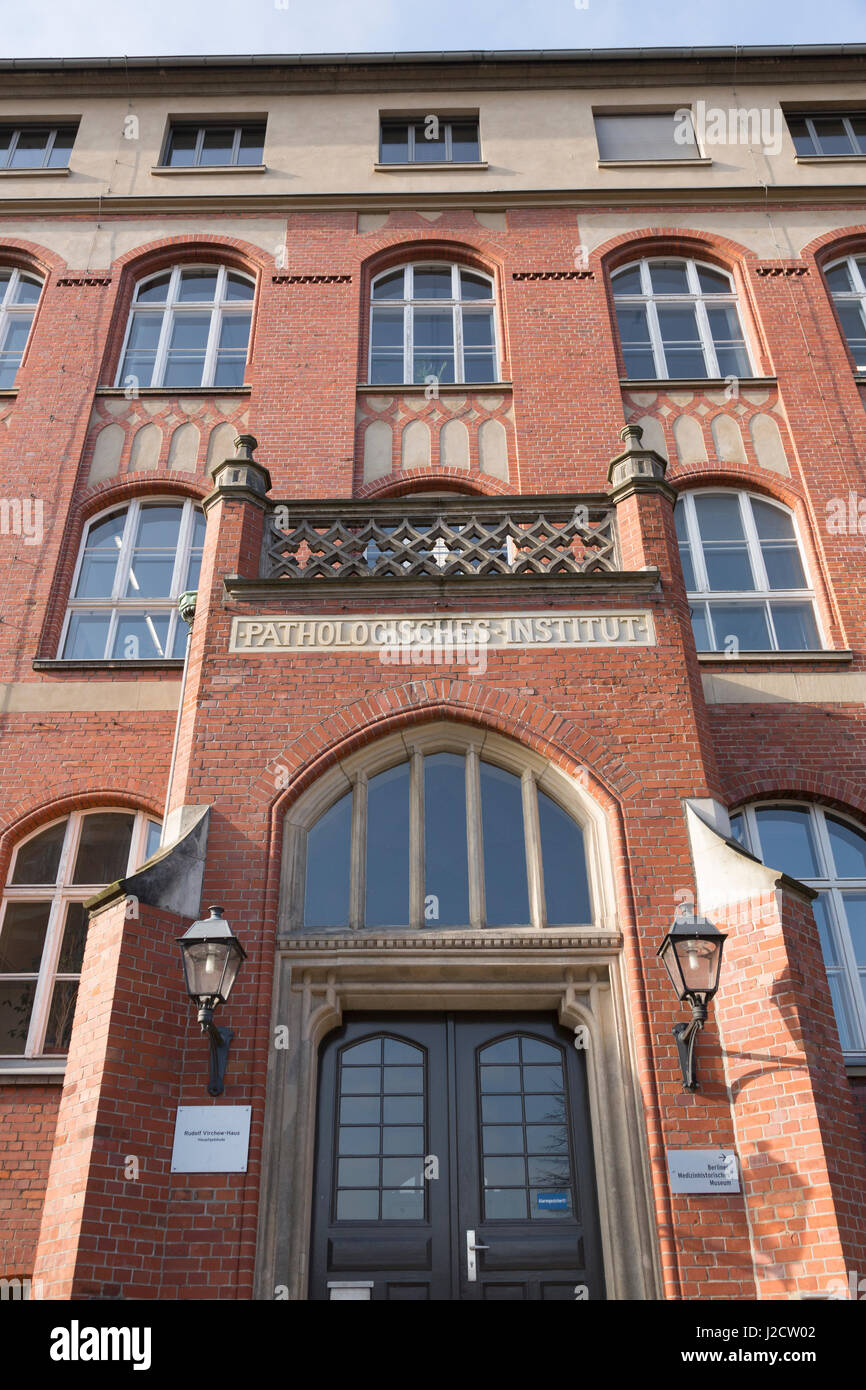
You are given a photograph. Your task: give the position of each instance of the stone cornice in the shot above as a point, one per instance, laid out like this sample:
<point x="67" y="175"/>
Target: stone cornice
<point x="310" y="944"/>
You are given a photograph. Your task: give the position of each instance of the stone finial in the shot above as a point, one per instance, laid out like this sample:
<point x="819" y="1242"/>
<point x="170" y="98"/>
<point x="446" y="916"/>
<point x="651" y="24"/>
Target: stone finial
<point x="245" y="446"/>
<point x="242" y="470"/>
<point x="634" y="463"/>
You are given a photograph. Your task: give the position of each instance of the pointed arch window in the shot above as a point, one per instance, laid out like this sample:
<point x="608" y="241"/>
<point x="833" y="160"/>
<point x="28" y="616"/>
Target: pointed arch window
<point x="433" y="322"/>
<point x="444" y="839"/>
<point x="679" y="318"/>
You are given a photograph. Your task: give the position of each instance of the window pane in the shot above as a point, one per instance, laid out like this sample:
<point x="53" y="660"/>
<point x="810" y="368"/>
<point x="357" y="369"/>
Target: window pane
<point x="217" y="145"/>
<point x="432" y="282"/>
<point x="181" y="146"/>
<point x="29" y="153"/>
<point x="28" y="290"/>
<point x="388" y="328"/>
<point x="154" y="835"/>
<point x="701" y="628"/>
<point x="62" y="148"/>
<point x="479" y="366"/>
<point x="103" y="850"/>
<point x="566" y="888"/>
<point x="679" y="330"/>
<point x="635" y="340"/>
<point x="357" y="1206"/>
<point x="855" y="912"/>
<point x="505" y="883"/>
<point x="464" y="142"/>
<point x="16" y="1006"/>
<point x="96" y="577"/>
<point x="642" y="135"/>
<point x="429" y="142"/>
<point x="839" y="277"/>
<point x="74" y="937"/>
<point x="22" y="937"/>
<point x="784" y="570"/>
<point x="800" y="135"/>
<point x="796" y="629"/>
<point x="474" y="286"/>
<point x="839" y="994"/>
<point x="38" y="859"/>
<point x="388" y="848"/>
<point x="771" y="522"/>
<point x="153" y="291"/>
<point x="787" y="840"/>
<point x="326" y="899"/>
<point x="849" y="848"/>
<point x="141" y="636"/>
<point x="197" y="285"/>
<point x="252" y="146"/>
<point x="60" y="1016"/>
<point x="239" y="287"/>
<point x="86" y="637"/>
<point x="719" y="516"/>
<point x="389" y="286"/>
<point x="395" y="143"/>
<point x="858" y="125"/>
<point x="745" y="623"/>
<point x="669" y="277"/>
<point x="478" y="329"/>
<point x="230" y="369"/>
<point x="832" y="136"/>
<point x="234" y="332"/>
<point x="144" y="332"/>
<point x="824" y="922"/>
<point x="728" y="567"/>
<point x="434" y="344"/>
<point x="627" y="281"/>
<point x="713" y="281"/>
<point x="446" y="858"/>
<point x="687" y="566"/>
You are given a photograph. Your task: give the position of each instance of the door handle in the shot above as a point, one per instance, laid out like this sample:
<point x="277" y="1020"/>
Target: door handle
<point x="471" y="1262"/>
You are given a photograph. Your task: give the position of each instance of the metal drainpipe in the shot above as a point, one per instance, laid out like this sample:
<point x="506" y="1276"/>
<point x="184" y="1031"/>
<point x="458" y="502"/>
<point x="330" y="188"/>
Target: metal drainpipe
<point x="185" y="603"/>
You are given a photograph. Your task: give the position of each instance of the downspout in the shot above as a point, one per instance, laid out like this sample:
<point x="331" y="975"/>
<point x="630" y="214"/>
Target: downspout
<point x="186" y="609"/>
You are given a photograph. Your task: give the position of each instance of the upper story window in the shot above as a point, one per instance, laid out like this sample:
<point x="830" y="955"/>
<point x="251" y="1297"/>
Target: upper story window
<point x="847" y="281"/>
<point x="36" y="146"/>
<point x="828" y="853"/>
<point x="678" y="318"/>
<point x="429" y="140"/>
<point x="188" y="327"/>
<point x="19" y="295"/>
<point x="638" y="135"/>
<point x="433" y="323"/>
<point x="475" y="836"/>
<point x="44" y="925"/>
<point x="215" y="144"/>
<point x="744" y="574"/>
<point x="829" y="133"/>
<point x="134" y="565"/>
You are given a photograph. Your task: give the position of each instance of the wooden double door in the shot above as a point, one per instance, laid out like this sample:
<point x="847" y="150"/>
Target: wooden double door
<point x="454" y="1161"/>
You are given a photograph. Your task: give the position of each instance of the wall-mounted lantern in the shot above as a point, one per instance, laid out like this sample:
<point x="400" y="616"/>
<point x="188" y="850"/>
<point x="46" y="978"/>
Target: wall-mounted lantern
<point x="212" y="957"/>
<point x="692" y="955"/>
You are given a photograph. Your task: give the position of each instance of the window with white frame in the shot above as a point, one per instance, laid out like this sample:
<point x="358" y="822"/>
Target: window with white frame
<point x="44" y="923"/>
<point x="678" y="318"/>
<point x="214" y="144"/>
<point x="847" y="282"/>
<point x="744" y="574"/>
<point x="19" y="295"/>
<point x="828" y="133"/>
<point x="188" y="327"/>
<point x="488" y="847"/>
<point x="36" y="146"/>
<point x="134" y="564"/>
<point x="429" y="140"/>
<point x="433" y="323"/>
<point x="827" y="851"/>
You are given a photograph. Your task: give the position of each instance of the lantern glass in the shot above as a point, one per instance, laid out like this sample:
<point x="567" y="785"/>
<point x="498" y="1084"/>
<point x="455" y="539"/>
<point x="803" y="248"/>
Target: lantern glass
<point x="211" y="966"/>
<point x="693" y="962"/>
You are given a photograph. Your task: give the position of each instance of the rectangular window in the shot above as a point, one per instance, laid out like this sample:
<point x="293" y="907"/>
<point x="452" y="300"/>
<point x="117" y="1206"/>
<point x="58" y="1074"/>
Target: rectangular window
<point x="829" y="133"/>
<point x="215" y="145"/>
<point x="429" y="140"/>
<point x="36" y="146"/>
<point x="647" y="135"/>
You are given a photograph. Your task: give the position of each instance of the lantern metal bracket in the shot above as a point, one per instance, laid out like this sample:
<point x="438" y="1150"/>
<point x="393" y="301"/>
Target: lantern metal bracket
<point x="220" y="1040"/>
<point x="686" y="1035"/>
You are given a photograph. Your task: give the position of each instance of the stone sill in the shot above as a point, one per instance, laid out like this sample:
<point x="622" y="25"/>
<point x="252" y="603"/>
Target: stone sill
<point x="32" y="1071"/>
<point x="702" y="160"/>
<point x="209" y="169"/>
<point x="775" y="658"/>
<point x="438" y="167"/>
<point x="855" y="1063"/>
<point x="688" y="383"/>
<point x="447" y="388"/>
<point x="830" y="158"/>
<point x="174" y="663"/>
<point x="35" y="173"/>
<point x="8" y="392"/>
<point x="175" y="391"/>
<point x="453" y="588"/>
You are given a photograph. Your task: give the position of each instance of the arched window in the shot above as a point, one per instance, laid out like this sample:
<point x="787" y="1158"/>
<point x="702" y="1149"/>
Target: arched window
<point x="847" y="281"/>
<point x="744" y="574"/>
<point x="188" y="327"/>
<point x="44" y="924"/>
<point x="445" y="839"/>
<point x="135" y="563"/>
<point x="19" y="295"/>
<point x="828" y="852"/>
<point x="433" y="323"/>
<point x="678" y="318"/>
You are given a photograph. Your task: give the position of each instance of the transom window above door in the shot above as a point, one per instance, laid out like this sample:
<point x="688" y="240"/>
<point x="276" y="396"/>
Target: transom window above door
<point x="445" y="840"/>
<point x="744" y="574"/>
<point x="135" y="563"/>
<point x="188" y="327"/>
<point x="433" y="323"/>
<point x="828" y="852"/>
<point x="679" y="318"/>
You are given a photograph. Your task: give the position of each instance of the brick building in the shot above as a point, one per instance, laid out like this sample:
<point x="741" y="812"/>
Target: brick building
<point x="501" y="420"/>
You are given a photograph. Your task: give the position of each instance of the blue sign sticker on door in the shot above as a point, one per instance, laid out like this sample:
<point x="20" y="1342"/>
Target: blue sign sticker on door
<point x="552" y="1201"/>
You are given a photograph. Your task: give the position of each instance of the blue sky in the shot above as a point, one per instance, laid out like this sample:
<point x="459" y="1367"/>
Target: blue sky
<point x="63" y="28"/>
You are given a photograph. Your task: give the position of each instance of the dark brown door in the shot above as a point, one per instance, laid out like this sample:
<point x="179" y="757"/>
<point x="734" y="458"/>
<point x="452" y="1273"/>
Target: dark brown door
<point x="442" y="1132"/>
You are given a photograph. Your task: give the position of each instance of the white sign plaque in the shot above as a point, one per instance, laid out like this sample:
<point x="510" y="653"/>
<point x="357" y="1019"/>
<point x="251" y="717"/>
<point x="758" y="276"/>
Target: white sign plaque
<point x="301" y="632"/>
<point x="703" y="1170"/>
<point x="211" y="1139"/>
